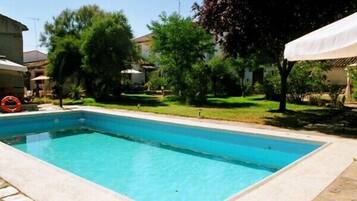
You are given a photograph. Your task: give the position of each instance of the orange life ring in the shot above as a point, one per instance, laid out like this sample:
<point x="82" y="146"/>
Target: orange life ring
<point x="6" y="107"/>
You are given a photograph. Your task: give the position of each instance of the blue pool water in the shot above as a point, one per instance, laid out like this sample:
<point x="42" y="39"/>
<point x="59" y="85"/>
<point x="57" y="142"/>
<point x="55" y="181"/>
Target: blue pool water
<point x="148" y="160"/>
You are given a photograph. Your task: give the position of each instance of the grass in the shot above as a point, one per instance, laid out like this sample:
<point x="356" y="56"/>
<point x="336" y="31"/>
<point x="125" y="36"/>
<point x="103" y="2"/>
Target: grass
<point x="252" y="109"/>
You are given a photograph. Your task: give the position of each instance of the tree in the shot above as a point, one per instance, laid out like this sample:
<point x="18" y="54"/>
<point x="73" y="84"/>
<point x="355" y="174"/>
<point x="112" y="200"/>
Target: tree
<point x="180" y="46"/>
<point x="62" y="37"/>
<point x="239" y="65"/>
<point x="264" y="27"/>
<point x="64" y="60"/>
<point x="218" y="67"/>
<point x="92" y="45"/>
<point x="108" y="49"/>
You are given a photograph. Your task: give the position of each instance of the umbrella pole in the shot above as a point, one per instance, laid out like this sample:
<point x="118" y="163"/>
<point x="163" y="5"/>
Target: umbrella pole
<point x="44" y="90"/>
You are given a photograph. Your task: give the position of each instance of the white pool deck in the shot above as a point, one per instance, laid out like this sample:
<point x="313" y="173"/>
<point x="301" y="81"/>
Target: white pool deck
<point x="300" y="181"/>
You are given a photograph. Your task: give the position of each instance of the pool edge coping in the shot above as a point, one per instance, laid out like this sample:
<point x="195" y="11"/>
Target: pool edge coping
<point x="295" y="135"/>
<point x="276" y="174"/>
<point x="77" y="179"/>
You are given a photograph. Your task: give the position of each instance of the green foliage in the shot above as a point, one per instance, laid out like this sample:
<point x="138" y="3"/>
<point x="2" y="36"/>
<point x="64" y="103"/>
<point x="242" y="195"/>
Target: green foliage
<point x="180" y="46"/>
<point x="89" y="101"/>
<point x="62" y="37"/>
<point x="107" y="49"/>
<point x="218" y="72"/>
<point x="91" y="44"/>
<point x="353" y="73"/>
<point x="266" y="26"/>
<point x="69" y="22"/>
<point x="75" y="92"/>
<point x="156" y="81"/>
<point x="254" y="26"/>
<point x="66" y="53"/>
<point x="197" y="80"/>
<point x="334" y="92"/>
<point x="305" y="78"/>
<point x="238" y="66"/>
<point x="272" y="85"/>
<point x="354" y="93"/>
<point x="258" y="88"/>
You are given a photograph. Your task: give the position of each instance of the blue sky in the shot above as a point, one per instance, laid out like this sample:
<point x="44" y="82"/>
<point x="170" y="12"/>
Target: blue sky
<point x="139" y="12"/>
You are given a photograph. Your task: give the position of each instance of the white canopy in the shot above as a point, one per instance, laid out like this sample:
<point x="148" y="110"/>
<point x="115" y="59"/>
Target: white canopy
<point x="334" y="41"/>
<point x="12" y="66"/>
<point x="41" y="77"/>
<point x="130" y="71"/>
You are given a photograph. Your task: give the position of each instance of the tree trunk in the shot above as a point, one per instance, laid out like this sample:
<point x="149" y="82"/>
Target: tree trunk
<point x="283" y="91"/>
<point x="88" y="81"/>
<point x="214" y="87"/>
<point x="242" y="84"/>
<point x="284" y="70"/>
<point x="61" y="82"/>
<point x="60" y="91"/>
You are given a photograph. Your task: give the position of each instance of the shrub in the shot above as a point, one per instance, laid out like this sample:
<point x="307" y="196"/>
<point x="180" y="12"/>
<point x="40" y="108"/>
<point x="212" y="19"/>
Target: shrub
<point x="258" y="88"/>
<point x="156" y="81"/>
<point x="88" y="100"/>
<point x="304" y="79"/>
<point x="272" y="86"/>
<point x="75" y="92"/>
<point x="354" y="95"/>
<point x="334" y="92"/>
<point x="317" y="100"/>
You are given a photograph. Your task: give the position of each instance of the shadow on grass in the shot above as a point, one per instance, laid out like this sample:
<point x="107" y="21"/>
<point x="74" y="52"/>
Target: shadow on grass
<point x="328" y="121"/>
<point x="224" y="104"/>
<point x="258" y="99"/>
<point x="30" y="107"/>
<point x="134" y="100"/>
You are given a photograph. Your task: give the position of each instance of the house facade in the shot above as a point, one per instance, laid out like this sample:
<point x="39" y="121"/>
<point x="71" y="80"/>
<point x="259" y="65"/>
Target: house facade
<point x="11" y="51"/>
<point x="144" y="45"/>
<point x="36" y="63"/>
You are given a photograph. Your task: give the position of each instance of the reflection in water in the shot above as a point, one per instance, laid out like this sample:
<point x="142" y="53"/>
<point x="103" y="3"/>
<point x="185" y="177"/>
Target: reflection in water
<point x="38" y="143"/>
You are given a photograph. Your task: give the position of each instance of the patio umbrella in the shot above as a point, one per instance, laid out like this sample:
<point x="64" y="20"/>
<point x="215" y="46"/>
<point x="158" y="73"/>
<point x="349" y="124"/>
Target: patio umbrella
<point x="334" y="41"/>
<point x="41" y="77"/>
<point x="130" y="71"/>
<point x="9" y="65"/>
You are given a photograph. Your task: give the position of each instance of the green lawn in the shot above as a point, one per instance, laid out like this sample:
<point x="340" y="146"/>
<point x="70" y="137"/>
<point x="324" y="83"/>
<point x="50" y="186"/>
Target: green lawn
<point x="252" y="109"/>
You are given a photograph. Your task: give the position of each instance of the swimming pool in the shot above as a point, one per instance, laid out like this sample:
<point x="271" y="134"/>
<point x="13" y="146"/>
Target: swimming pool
<point x="151" y="160"/>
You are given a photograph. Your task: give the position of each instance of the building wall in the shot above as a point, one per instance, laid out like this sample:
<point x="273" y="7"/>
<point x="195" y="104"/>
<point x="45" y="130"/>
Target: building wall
<point x="11" y="83"/>
<point x="11" y="46"/>
<point x="138" y="78"/>
<point x="337" y="76"/>
<point x="11" y="40"/>
<point x="145" y="49"/>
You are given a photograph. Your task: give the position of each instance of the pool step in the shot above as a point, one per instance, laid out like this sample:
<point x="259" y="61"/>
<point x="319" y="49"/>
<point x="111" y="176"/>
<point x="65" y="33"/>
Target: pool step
<point x="10" y="193"/>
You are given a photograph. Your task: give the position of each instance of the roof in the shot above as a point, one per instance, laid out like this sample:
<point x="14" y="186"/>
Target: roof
<point x="334" y="41"/>
<point x="37" y="64"/>
<point x="344" y="62"/>
<point x="34" y="55"/>
<point x="9" y="65"/>
<point x="23" y="27"/>
<point x="144" y="38"/>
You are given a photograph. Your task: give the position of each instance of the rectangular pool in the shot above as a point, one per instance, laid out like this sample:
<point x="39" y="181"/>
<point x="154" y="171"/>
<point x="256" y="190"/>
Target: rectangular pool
<point x="151" y="160"/>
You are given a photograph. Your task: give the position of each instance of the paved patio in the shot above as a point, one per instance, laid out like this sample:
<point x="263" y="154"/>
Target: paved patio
<point x="344" y="188"/>
<point x="10" y="193"/>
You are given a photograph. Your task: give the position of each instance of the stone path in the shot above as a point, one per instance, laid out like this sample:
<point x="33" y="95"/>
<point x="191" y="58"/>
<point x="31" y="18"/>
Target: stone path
<point x="10" y="193"/>
<point x="344" y="188"/>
